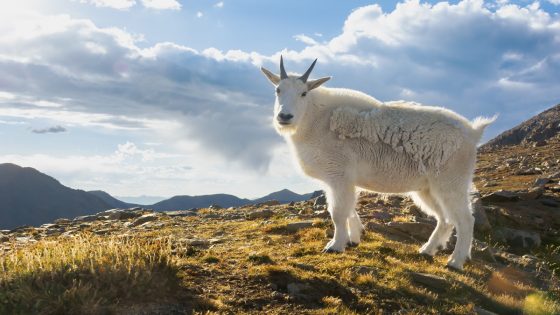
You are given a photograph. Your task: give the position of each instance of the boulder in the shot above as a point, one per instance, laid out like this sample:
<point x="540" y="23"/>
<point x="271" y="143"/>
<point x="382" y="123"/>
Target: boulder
<point x="320" y="202"/>
<point x="532" y="194"/>
<point x="501" y="196"/>
<point x="519" y="239"/>
<point x="481" y="222"/>
<point x="418" y="230"/>
<point x="260" y="214"/>
<point x="86" y="218"/>
<point x="145" y="218"/>
<point x="541" y="182"/>
<point x="296" y="226"/>
<point x="181" y="213"/>
<point x="430" y="281"/>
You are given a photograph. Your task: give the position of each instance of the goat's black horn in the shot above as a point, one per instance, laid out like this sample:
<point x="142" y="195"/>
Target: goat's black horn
<point x="283" y="74"/>
<point x="305" y="76"/>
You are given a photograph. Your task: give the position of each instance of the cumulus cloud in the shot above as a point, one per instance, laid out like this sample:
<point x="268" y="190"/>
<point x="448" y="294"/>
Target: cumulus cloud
<point x="54" y="129"/>
<point x="162" y="4"/>
<point x="219" y="4"/>
<point x="115" y="4"/>
<point x="222" y="105"/>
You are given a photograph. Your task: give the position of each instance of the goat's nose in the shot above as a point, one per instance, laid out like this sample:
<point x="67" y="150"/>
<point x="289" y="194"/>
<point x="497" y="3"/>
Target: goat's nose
<point x="285" y="117"/>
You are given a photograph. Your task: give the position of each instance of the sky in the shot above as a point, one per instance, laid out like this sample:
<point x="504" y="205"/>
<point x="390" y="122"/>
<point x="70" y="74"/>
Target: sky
<point x="165" y="97"/>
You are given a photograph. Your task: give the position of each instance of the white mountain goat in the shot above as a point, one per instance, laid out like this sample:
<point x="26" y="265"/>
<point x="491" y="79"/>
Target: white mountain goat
<point x="350" y="140"/>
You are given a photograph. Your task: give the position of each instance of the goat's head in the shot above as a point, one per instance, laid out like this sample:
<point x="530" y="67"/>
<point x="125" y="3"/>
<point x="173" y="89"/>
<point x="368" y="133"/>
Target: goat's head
<point x="291" y="96"/>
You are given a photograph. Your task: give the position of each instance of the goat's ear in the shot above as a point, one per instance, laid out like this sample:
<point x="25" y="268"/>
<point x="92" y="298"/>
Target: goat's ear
<point x="273" y="78"/>
<point x="316" y="83"/>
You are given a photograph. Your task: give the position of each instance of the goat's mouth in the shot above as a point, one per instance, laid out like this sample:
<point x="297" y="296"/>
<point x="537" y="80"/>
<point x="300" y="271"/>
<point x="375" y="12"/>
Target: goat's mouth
<point x="284" y="123"/>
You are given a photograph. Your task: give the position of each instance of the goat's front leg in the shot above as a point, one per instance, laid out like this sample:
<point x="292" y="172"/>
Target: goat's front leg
<point x="341" y="198"/>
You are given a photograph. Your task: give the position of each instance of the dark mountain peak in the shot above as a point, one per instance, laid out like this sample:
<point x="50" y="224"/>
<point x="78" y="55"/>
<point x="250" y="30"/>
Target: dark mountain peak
<point x="30" y="197"/>
<point x="110" y="200"/>
<point x="538" y="128"/>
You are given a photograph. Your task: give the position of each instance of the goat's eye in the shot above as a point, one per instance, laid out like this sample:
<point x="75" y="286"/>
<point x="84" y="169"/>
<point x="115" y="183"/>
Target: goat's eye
<point x="303" y="94"/>
<point x="277" y="90"/>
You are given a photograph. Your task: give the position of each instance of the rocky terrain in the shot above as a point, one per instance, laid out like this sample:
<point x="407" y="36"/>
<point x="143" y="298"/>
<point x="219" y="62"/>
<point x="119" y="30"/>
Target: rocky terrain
<point x="266" y="258"/>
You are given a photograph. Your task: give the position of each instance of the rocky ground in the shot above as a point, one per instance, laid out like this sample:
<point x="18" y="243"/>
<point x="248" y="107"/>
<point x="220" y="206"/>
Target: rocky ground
<point x="267" y="258"/>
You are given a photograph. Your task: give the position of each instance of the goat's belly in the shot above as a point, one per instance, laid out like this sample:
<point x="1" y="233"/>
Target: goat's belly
<point x="390" y="182"/>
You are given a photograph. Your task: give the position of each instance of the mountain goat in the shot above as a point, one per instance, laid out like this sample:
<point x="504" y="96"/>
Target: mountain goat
<point x="349" y="140"/>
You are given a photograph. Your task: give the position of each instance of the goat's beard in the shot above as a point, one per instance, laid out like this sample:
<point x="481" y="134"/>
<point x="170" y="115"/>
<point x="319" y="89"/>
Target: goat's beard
<point x="285" y="130"/>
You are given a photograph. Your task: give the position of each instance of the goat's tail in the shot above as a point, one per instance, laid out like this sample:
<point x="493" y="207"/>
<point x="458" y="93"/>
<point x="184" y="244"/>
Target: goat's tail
<point x="480" y="123"/>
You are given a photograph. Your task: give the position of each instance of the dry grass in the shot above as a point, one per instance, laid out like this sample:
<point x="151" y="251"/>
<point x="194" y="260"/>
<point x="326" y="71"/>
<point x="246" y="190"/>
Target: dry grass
<point x="258" y="267"/>
<point x="87" y="274"/>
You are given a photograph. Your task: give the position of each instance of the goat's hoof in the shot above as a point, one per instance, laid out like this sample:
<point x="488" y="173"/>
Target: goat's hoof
<point x="352" y="244"/>
<point x="426" y="257"/>
<point x="452" y="267"/>
<point x="329" y="251"/>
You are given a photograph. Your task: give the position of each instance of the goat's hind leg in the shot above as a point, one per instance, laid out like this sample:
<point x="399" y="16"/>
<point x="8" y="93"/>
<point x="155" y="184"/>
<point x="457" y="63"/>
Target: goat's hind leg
<point x="456" y="202"/>
<point x="355" y="228"/>
<point x="341" y="198"/>
<point x="441" y="234"/>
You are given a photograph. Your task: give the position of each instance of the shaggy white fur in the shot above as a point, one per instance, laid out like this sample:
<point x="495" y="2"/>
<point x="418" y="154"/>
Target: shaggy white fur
<point x="349" y="140"/>
<point x="421" y="132"/>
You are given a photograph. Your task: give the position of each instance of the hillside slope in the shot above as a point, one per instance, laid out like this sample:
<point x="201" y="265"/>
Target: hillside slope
<point x="537" y="129"/>
<point x="29" y="197"/>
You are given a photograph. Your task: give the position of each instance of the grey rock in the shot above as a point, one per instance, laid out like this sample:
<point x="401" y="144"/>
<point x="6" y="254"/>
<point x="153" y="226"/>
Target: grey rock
<point x="363" y="270"/>
<point x="481" y="222"/>
<point x="320" y="201"/>
<point x="533" y="193"/>
<point x="4" y="238"/>
<point x="541" y="182"/>
<point x="296" y="226"/>
<point x="430" y="281"/>
<point x="145" y="218"/>
<point x="321" y="214"/>
<point x="550" y="203"/>
<point x="260" y="214"/>
<point x="501" y="196"/>
<point x="418" y="230"/>
<point x="181" y="213"/>
<point x="124" y="215"/>
<point x="519" y="239"/>
<point x="86" y="218"/>
<point x="484" y="254"/>
<point x="215" y="207"/>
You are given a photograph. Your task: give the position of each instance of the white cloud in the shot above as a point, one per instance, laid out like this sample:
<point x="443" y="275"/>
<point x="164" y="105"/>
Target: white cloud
<point x="219" y="4"/>
<point x="305" y="39"/>
<point x="115" y="4"/>
<point x="162" y="4"/>
<point x="199" y="14"/>
<point x="555" y="2"/>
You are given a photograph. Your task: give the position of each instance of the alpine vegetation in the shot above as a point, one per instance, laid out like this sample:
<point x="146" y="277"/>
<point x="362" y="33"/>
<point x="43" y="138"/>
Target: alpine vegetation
<point x="350" y="140"/>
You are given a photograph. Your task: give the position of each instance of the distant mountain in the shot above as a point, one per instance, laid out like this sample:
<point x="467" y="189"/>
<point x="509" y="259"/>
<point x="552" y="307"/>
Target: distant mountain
<point x="284" y="196"/>
<point x="141" y="200"/>
<point x="538" y="128"/>
<point x="29" y="197"/>
<point x="188" y="202"/>
<point x="112" y="201"/>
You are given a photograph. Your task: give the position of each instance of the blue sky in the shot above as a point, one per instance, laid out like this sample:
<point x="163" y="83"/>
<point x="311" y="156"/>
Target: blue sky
<point x="164" y="97"/>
